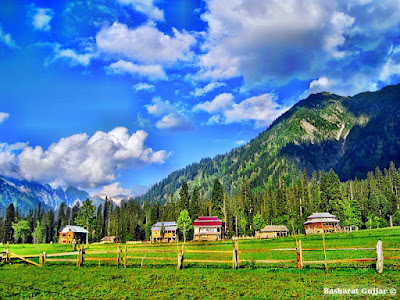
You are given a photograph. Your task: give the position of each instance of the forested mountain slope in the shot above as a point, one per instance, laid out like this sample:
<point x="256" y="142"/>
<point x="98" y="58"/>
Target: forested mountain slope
<point x="352" y="135"/>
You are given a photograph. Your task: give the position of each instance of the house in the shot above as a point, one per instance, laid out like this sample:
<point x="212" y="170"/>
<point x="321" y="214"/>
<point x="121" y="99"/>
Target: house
<point x="272" y="231"/>
<point x="321" y="223"/>
<point x="208" y="229"/>
<point x="164" y="232"/>
<point x="109" y="240"/>
<point x="72" y="234"/>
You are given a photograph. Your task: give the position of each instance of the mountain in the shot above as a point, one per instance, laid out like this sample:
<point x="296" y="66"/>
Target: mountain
<point x="352" y="135"/>
<point x="27" y="195"/>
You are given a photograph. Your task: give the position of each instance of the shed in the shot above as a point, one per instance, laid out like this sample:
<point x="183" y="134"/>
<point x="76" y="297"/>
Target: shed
<point x="272" y="231"/>
<point x="208" y="229"/>
<point x="164" y="232"/>
<point x="72" y="234"/>
<point x="321" y="223"/>
<point x="109" y="240"/>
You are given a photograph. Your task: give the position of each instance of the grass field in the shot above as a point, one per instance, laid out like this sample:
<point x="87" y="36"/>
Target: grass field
<point x="158" y="279"/>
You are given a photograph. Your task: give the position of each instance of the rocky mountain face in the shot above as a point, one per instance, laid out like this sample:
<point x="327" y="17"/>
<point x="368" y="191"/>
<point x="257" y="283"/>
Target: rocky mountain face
<point x="26" y="195"/>
<point x="352" y="135"/>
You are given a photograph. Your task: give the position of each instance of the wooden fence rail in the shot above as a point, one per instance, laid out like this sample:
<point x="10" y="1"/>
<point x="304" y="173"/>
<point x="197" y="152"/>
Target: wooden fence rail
<point x="123" y="255"/>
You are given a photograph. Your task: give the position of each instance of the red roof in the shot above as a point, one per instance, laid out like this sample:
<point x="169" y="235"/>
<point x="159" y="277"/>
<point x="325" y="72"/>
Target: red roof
<point x="207" y="221"/>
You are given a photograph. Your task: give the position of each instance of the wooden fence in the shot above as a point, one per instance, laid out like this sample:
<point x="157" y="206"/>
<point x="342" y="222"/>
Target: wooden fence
<point x="122" y="255"/>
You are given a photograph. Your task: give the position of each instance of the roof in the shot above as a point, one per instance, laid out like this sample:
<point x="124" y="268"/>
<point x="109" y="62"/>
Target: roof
<point x="167" y="226"/>
<point x="108" y="238"/>
<point x="322" y="220"/>
<point x="77" y="229"/>
<point x="273" y="228"/>
<point x="207" y="221"/>
<point x="318" y="215"/>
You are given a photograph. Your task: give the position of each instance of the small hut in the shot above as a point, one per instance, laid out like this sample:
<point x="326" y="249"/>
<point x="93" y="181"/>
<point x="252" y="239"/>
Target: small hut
<point x="164" y="232"/>
<point x="272" y="231"/>
<point x="321" y="223"/>
<point x="208" y="229"/>
<point x="72" y="234"/>
<point x="109" y="240"/>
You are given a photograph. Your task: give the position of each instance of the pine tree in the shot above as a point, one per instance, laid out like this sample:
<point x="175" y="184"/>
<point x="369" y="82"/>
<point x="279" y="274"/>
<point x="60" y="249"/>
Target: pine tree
<point x="8" y="229"/>
<point x="85" y="216"/>
<point x="61" y="218"/>
<point x="217" y="199"/>
<point x="184" y="198"/>
<point x="194" y="207"/>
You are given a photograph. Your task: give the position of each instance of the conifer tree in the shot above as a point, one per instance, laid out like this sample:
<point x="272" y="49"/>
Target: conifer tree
<point x="184" y="198"/>
<point x="217" y="199"/>
<point x="8" y="228"/>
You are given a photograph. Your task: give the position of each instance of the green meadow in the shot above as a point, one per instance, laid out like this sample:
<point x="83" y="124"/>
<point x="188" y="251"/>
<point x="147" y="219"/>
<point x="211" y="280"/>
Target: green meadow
<point x="146" y="278"/>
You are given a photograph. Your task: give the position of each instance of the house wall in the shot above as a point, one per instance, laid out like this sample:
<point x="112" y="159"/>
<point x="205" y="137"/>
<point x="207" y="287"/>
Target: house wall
<point x="66" y="237"/>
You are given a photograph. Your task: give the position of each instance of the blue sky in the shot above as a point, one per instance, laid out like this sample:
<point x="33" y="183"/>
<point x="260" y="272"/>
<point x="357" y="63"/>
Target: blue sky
<point x="113" y="95"/>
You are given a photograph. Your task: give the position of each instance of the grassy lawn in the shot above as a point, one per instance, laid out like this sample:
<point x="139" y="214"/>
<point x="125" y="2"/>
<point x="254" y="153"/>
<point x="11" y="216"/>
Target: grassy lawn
<point x="206" y="281"/>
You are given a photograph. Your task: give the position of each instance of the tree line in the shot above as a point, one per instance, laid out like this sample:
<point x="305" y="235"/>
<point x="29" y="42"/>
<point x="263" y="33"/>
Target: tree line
<point x="369" y="203"/>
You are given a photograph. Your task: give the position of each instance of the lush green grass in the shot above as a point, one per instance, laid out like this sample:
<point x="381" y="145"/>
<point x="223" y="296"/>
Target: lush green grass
<point x="162" y="280"/>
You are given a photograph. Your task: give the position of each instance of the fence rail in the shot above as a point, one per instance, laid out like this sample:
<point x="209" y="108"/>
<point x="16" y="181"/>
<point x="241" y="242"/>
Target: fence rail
<point x="122" y="256"/>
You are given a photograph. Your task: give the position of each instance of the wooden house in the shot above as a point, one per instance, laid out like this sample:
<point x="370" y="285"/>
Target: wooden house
<point x="272" y="231"/>
<point x="208" y="229"/>
<point x="164" y="232"/>
<point x="321" y="223"/>
<point x="109" y="240"/>
<point x="72" y="234"/>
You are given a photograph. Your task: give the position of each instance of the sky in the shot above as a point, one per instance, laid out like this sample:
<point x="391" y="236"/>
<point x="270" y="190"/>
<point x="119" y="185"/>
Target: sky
<point x="113" y="95"/>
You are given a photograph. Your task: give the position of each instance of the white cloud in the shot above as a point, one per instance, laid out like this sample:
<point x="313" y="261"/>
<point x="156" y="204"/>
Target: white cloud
<point x="4" y="116"/>
<point x="160" y="107"/>
<point x="241" y="142"/>
<point x="114" y="190"/>
<point x="219" y="103"/>
<point x="145" y="7"/>
<point x="80" y="160"/>
<point x="341" y="22"/>
<point x="143" y="86"/>
<point x="152" y="72"/>
<point x="145" y="44"/>
<point x="262" y="110"/>
<point x="7" y="39"/>
<point x="42" y="18"/>
<point x="175" y="122"/>
<point x="208" y="88"/>
<point x="71" y="56"/>
<point x="172" y="119"/>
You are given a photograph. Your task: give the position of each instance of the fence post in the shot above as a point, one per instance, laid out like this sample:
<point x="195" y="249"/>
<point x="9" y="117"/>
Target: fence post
<point x="180" y="258"/>
<point x="299" y="256"/>
<point x="126" y="257"/>
<point x="235" y="256"/>
<point x="326" y="264"/>
<point x="379" y="259"/>
<point x="78" y="259"/>
<point x="118" y="256"/>
<point x="41" y="259"/>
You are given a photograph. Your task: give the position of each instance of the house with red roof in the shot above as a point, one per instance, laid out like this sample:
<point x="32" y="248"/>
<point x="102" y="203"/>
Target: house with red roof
<point x="208" y="229"/>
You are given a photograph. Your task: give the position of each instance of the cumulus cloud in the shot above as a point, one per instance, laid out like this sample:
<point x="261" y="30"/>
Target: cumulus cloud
<point x="152" y="72"/>
<point x="208" y="88"/>
<point x="262" y="110"/>
<point x="143" y="86"/>
<point x="71" y="56"/>
<point x="219" y="103"/>
<point x="7" y="39"/>
<point x="114" y="190"/>
<point x="145" y="7"/>
<point x="172" y="119"/>
<point x="275" y="42"/>
<point x="175" y="122"/>
<point x="80" y="160"/>
<point x="3" y="116"/>
<point x="41" y="18"/>
<point x="145" y="44"/>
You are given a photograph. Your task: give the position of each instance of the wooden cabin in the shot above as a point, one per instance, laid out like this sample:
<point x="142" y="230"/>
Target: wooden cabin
<point x="321" y="223"/>
<point x="72" y="234"/>
<point x="272" y="231"/>
<point x="208" y="229"/>
<point x="164" y="232"/>
<point x="109" y="240"/>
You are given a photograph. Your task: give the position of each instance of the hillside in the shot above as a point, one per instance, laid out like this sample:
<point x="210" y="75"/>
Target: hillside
<point x="352" y="135"/>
